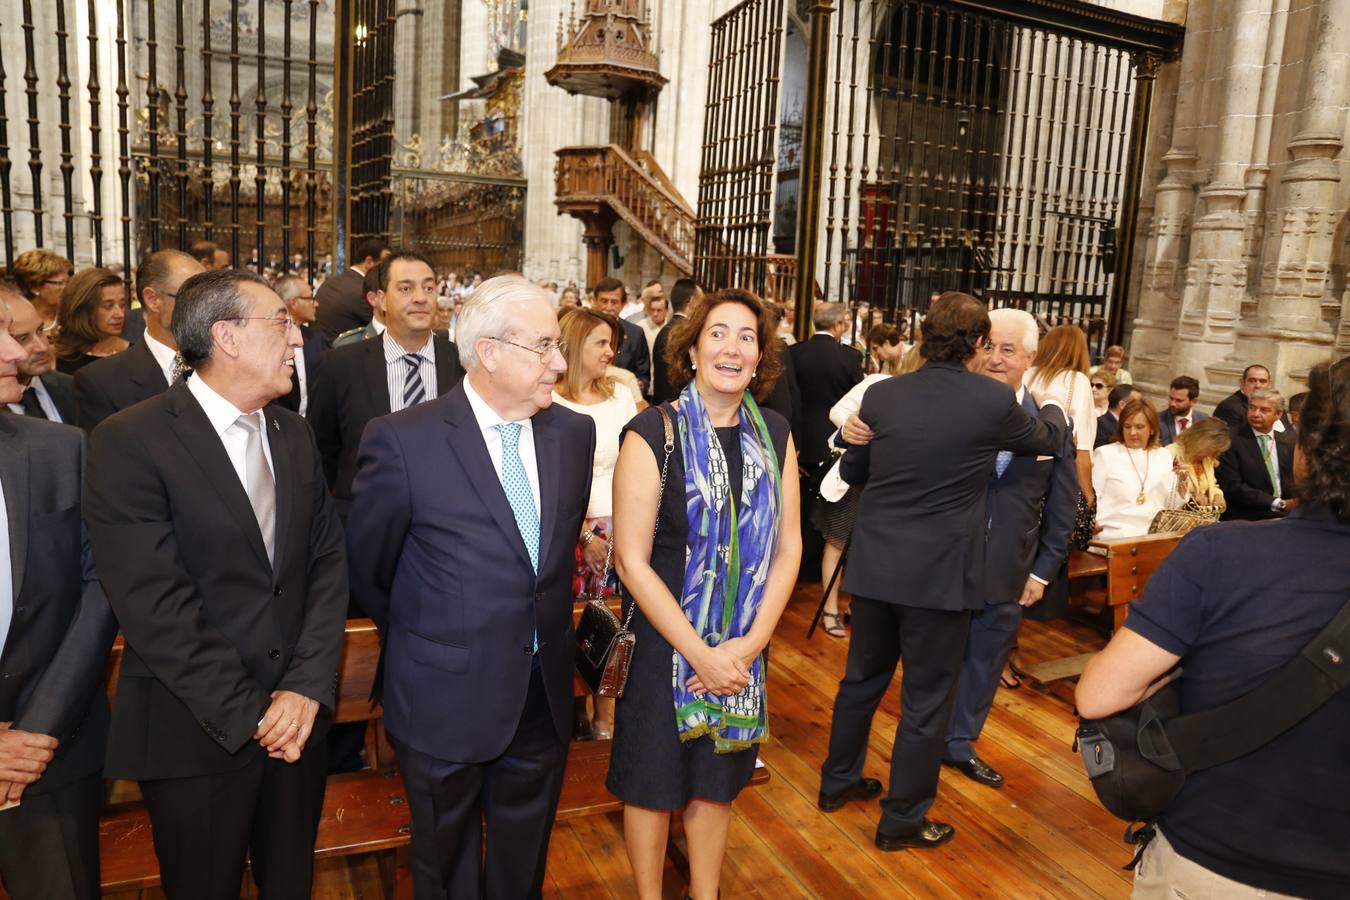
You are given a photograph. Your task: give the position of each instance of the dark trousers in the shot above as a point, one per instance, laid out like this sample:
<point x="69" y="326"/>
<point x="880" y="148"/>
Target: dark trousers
<point x="931" y="643"/>
<point x="269" y="810"/>
<point x="49" y="843"/>
<point x="515" y="795"/>
<point x="992" y="633"/>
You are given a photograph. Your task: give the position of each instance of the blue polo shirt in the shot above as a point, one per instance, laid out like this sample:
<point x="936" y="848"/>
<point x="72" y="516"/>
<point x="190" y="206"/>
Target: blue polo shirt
<point x="1236" y="601"/>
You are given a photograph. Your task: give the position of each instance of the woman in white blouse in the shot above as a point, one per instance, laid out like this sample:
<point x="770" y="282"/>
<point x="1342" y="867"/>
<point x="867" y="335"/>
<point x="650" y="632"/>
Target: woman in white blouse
<point x="1133" y="474"/>
<point x="1061" y="372"/>
<point x="590" y="341"/>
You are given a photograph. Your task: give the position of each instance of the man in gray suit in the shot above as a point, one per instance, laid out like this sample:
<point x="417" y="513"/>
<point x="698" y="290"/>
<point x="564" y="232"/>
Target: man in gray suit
<point x="55" y="631"/>
<point x="47" y="394"/>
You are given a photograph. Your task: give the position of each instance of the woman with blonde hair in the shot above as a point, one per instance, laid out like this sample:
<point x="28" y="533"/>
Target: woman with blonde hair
<point x="1197" y="451"/>
<point x="589" y="342"/>
<point x="1061" y="371"/>
<point x="42" y="275"/>
<point x="89" y="321"/>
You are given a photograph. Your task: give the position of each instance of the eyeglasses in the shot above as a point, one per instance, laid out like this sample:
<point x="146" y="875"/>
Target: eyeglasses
<point x="984" y="344"/>
<point x="284" y="321"/>
<point x="544" y="351"/>
<point x="1098" y="386"/>
<point x="57" y="282"/>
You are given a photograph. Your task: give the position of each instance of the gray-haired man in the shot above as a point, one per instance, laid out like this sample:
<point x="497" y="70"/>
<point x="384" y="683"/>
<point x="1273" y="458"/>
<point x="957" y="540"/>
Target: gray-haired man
<point x="223" y="560"/>
<point x="1257" y="472"/>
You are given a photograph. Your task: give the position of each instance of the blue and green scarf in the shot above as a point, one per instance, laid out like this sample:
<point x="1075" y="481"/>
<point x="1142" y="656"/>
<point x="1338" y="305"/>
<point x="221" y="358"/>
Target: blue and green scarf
<point x="731" y="543"/>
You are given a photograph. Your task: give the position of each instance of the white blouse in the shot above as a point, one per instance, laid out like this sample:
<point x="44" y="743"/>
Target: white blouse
<point x="610" y="416"/>
<point x="1116" y="476"/>
<point x="1081" y="410"/>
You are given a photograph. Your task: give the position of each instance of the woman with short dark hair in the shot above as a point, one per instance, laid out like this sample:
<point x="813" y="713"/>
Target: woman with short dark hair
<point x="707" y="544"/>
<point x="1232" y="605"/>
<point x="89" y="321"/>
<point x="1132" y="475"/>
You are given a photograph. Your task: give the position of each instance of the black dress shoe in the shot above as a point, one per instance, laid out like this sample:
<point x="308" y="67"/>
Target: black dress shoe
<point x="976" y="770"/>
<point x="929" y="835"/>
<point x="866" y="789"/>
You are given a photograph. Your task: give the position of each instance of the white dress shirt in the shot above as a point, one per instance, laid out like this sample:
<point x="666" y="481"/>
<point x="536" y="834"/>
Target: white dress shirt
<point x="222" y="414"/>
<point x="488" y="420"/>
<point x="165" y="356"/>
<point x="396" y="370"/>
<point x="7" y="585"/>
<point x="302" y="379"/>
<point x="44" y="400"/>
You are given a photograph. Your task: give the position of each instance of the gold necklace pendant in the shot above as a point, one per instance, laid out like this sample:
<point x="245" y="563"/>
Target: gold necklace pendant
<point x="1141" y="499"/>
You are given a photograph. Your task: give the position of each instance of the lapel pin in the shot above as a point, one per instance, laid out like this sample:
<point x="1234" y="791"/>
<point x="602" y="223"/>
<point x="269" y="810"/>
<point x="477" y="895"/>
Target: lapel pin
<point x="276" y="426"/>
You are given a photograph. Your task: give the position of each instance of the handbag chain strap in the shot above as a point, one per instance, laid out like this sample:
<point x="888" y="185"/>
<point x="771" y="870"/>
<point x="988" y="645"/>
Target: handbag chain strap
<point x="665" y="469"/>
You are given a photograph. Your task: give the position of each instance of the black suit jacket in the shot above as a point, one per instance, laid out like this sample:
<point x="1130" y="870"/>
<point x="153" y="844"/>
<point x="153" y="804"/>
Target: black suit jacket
<point x="445" y="575"/>
<point x="211" y="627"/>
<point x="1030" y="514"/>
<point x="1167" y="424"/>
<point x="786" y="397"/>
<point x="113" y="384"/>
<point x="662" y="390"/>
<point x="1106" y="429"/>
<point x="313" y="347"/>
<point x="825" y="370"/>
<point x="633" y="355"/>
<point x="51" y="666"/>
<point x="61" y="388"/>
<point x="342" y="304"/>
<point x="919" y="539"/>
<point x="1233" y="411"/>
<point x="1244" y="479"/>
<point x="350" y="388"/>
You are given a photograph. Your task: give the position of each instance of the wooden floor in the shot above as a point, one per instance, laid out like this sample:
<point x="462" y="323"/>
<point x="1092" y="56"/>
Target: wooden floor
<point x="1042" y="835"/>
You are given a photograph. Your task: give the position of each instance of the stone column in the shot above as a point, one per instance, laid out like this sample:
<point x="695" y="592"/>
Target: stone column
<point x="1289" y="327"/>
<point x="1167" y="241"/>
<point x="1216" y="279"/>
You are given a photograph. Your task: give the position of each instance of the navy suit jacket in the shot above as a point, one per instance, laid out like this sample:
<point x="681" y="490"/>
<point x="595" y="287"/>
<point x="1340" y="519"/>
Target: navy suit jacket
<point x="1025" y="536"/>
<point x="1244" y="479"/>
<point x="1167" y="424"/>
<point x="115" y="383"/>
<point x="51" y="666"/>
<point x="438" y="562"/>
<point x="921" y="526"/>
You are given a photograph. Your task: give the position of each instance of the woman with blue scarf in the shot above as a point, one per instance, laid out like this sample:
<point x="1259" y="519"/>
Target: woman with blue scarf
<point x="710" y="585"/>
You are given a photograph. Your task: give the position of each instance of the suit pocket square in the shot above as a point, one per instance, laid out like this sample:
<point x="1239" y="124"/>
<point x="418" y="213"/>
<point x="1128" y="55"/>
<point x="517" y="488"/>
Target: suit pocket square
<point x="1045" y="459"/>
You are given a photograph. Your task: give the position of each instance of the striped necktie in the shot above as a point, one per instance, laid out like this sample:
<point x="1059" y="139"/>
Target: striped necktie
<point x="414" y="392"/>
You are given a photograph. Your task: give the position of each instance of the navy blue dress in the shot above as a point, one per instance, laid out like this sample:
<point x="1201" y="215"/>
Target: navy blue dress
<point x="648" y="765"/>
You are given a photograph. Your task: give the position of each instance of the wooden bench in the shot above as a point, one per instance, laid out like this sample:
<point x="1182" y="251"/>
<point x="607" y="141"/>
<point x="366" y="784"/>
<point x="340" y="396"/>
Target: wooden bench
<point x="1127" y="563"/>
<point x="363" y="812"/>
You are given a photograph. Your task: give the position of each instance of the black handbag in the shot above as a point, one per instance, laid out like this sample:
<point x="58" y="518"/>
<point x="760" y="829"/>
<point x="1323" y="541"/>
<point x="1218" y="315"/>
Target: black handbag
<point x="604" y="645"/>
<point x="1139" y="758"/>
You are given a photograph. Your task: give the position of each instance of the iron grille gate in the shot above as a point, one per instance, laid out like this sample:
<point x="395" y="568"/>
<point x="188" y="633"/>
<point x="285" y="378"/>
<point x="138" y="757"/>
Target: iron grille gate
<point x="218" y="120"/>
<point x="966" y="145"/>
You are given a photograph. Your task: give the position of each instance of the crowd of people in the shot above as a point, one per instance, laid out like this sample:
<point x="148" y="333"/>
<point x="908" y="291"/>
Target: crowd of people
<point x="257" y="459"/>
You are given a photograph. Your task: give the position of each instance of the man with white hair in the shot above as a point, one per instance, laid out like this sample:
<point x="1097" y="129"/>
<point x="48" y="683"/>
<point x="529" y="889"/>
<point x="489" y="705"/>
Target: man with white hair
<point x="1025" y="545"/>
<point x="463" y="525"/>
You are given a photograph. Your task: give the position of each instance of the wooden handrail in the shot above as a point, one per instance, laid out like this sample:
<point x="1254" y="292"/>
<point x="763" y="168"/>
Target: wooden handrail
<point x="638" y="193"/>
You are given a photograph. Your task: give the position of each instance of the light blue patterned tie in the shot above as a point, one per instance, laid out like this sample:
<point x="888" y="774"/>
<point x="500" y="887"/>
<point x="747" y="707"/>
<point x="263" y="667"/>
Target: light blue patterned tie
<point x="518" y="491"/>
<point x="1004" y="460"/>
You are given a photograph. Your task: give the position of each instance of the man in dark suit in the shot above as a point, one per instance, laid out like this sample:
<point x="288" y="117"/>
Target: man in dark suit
<point x="342" y="302"/>
<point x="222" y="557"/>
<point x="1181" y="412"/>
<point x="298" y="296"/>
<point x="469" y="578"/>
<point x="372" y="378"/>
<point x="826" y="369"/>
<point x="917" y="565"/>
<point x="786" y="396"/>
<point x="1257" y="472"/>
<point x="1031" y="503"/>
<point x="1109" y="422"/>
<point x="375" y="327"/>
<point x="609" y="296"/>
<point x="47" y="394"/>
<point x="683" y="292"/>
<point x="146" y="368"/>
<point x="55" y="631"/>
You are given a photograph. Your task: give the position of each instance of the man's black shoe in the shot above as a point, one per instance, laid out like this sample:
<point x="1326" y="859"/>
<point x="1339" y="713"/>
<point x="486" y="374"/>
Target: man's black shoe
<point x="929" y="835"/>
<point x="866" y="789"/>
<point x="976" y="770"/>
